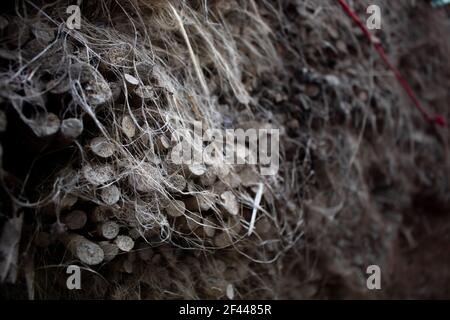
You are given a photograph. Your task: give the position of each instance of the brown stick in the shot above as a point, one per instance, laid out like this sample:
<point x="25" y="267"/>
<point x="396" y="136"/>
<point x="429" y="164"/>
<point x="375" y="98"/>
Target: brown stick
<point x="85" y="250"/>
<point x="208" y="178"/>
<point x="230" y="203"/>
<point x="177" y="183"/>
<point x="208" y="228"/>
<point x="175" y="208"/>
<point x="110" y="250"/>
<point x="108" y="230"/>
<point x="128" y="127"/>
<point x="67" y="201"/>
<point x="131" y="81"/>
<point x="71" y="128"/>
<point x="74" y="220"/>
<point x="102" y="147"/>
<point x="197" y="170"/>
<point x="223" y="239"/>
<point x="98" y="174"/>
<point x="193" y="221"/>
<point x="198" y="203"/>
<point x="100" y="214"/>
<point x="125" y="243"/>
<point x="163" y="143"/>
<point x="144" y="252"/>
<point x="110" y="194"/>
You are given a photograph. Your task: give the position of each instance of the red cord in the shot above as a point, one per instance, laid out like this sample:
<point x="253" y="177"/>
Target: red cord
<point x="439" y="120"/>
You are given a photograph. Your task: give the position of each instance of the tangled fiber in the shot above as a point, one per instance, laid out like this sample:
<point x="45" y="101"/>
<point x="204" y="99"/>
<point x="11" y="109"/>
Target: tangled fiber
<point x="89" y="117"/>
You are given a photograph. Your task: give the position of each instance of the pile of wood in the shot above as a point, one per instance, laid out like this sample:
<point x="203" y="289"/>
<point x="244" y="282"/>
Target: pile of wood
<point x="199" y="204"/>
<point x="104" y="120"/>
<point x="111" y="201"/>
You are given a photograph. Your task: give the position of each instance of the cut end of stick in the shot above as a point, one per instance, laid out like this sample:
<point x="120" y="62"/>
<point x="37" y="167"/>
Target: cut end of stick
<point x="176" y="208"/>
<point x="110" y="194"/>
<point x="102" y="147"/>
<point x="108" y="229"/>
<point x="71" y="128"/>
<point x="230" y="203"/>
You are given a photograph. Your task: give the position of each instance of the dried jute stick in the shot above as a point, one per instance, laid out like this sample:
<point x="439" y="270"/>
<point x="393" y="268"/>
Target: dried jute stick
<point x="87" y="251"/>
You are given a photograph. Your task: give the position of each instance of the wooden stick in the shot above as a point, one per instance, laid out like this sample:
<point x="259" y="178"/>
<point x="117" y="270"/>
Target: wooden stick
<point x="110" y="194"/>
<point x="125" y="243"/>
<point x="110" y="250"/>
<point x="68" y="201"/>
<point x="116" y="90"/>
<point x="128" y="127"/>
<point x="85" y="250"/>
<point x="122" y="264"/>
<point x="102" y="147"/>
<point x="208" y="228"/>
<point x="208" y="178"/>
<point x="71" y="128"/>
<point x="131" y="81"/>
<point x="230" y="203"/>
<point x="232" y="180"/>
<point x="98" y="174"/>
<point x="100" y="214"/>
<point x="233" y="223"/>
<point x="197" y="170"/>
<point x="193" y="221"/>
<point x="127" y="266"/>
<point x="223" y="239"/>
<point x="108" y="229"/>
<point x="146" y="178"/>
<point x="263" y="226"/>
<point x="249" y="177"/>
<point x="75" y="220"/>
<point x="163" y="143"/>
<point x="50" y="125"/>
<point x="177" y="183"/>
<point x="175" y="208"/>
<point x="198" y="203"/>
<point x="145" y="92"/>
<point x="145" y="252"/>
<point x="134" y="233"/>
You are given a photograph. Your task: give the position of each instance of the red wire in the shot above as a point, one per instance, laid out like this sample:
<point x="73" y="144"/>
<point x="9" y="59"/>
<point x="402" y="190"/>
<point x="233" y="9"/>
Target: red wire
<point x="439" y="120"/>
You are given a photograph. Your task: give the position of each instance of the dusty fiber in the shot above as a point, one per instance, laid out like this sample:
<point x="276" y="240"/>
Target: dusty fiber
<point x="89" y="119"/>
